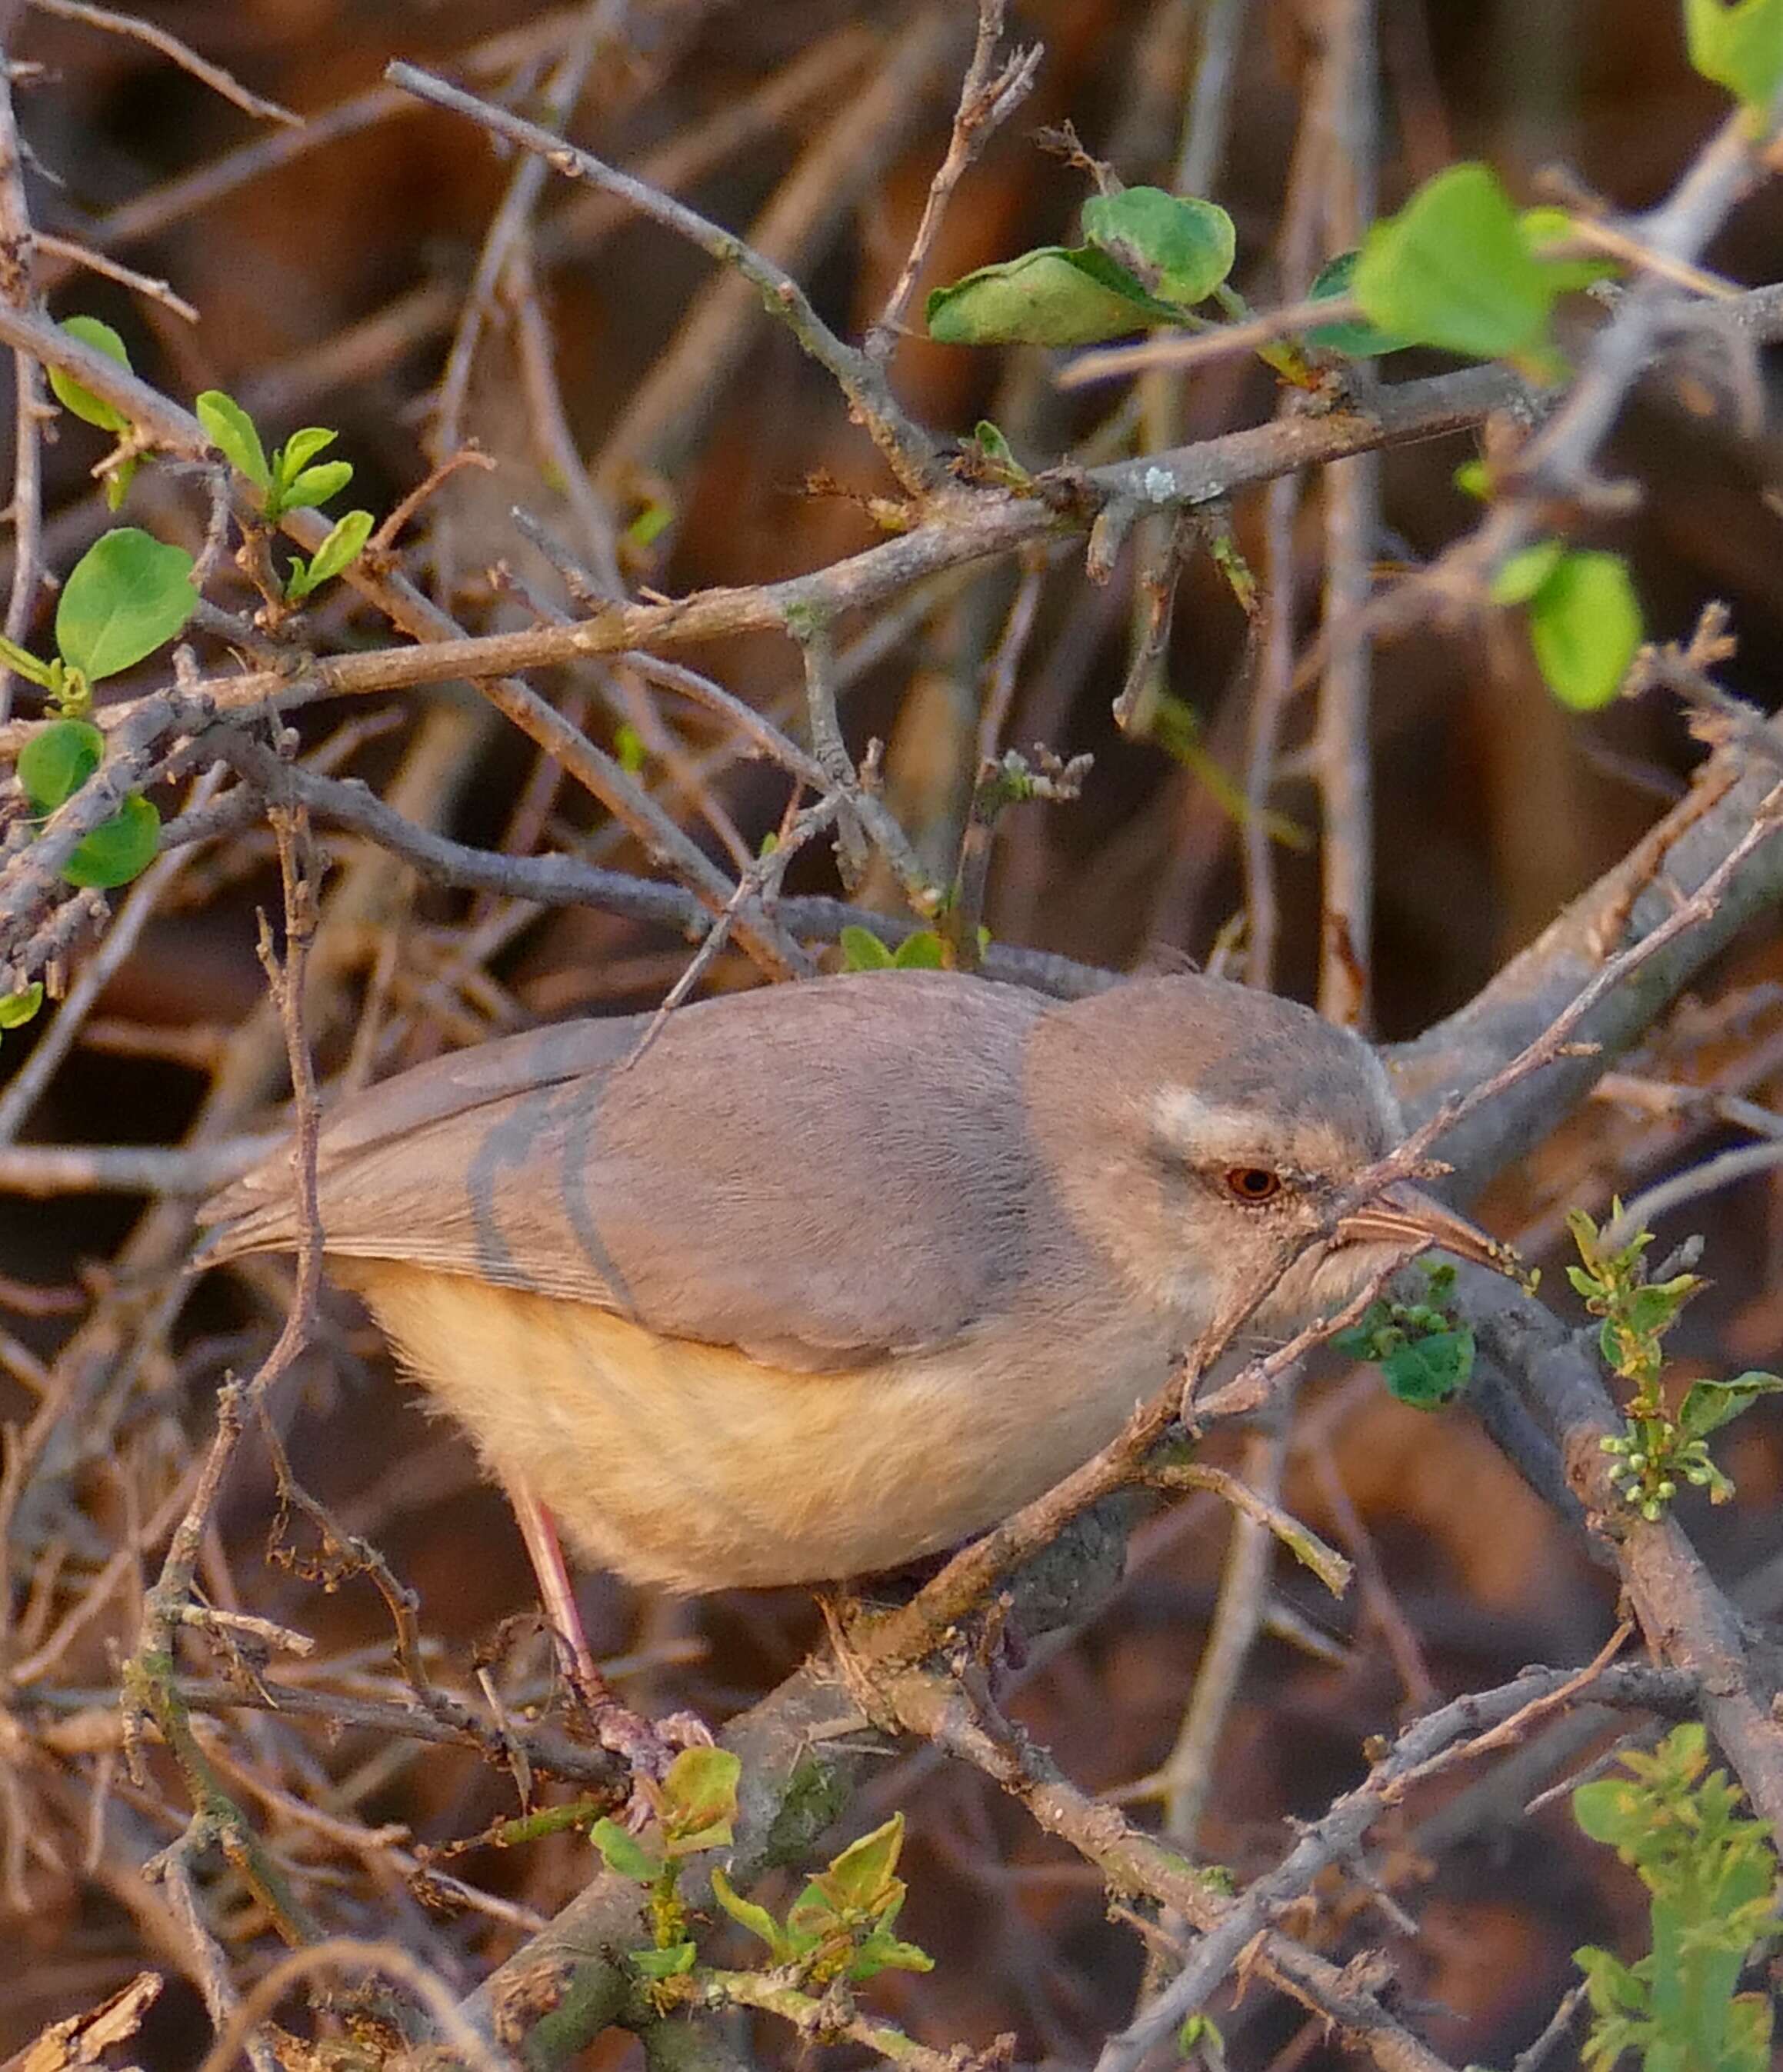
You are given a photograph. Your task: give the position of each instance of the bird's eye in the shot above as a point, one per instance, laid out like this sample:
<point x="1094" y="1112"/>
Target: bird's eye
<point x="1253" y="1183"/>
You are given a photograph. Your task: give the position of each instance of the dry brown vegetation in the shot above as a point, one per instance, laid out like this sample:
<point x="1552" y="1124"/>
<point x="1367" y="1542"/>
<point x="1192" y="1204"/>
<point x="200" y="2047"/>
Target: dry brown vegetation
<point x="1412" y="831"/>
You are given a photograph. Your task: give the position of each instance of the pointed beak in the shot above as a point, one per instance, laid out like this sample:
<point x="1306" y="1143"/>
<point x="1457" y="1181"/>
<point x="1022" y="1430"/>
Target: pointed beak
<point x="1403" y="1211"/>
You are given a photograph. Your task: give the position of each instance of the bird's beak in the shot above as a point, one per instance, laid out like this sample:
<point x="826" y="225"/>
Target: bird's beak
<point x="1401" y="1211"/>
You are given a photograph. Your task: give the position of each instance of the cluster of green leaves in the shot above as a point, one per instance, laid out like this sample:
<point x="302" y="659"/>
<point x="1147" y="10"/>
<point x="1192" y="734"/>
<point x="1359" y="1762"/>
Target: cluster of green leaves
<point x="842" y="1926"/>
<point x="1147" y="257"/>
<point x="694" y="1807"/>
<point x="127" y="595"/>
<point x="1424" y="1351"/>
<point x="1712" y="1874"/>
<point x="1584" y="618"/>
<point x="295" y="478"/>
<point x="1657" y="1449"/>
<point x="863" y="951"/>
<point x="1739" y="46"/>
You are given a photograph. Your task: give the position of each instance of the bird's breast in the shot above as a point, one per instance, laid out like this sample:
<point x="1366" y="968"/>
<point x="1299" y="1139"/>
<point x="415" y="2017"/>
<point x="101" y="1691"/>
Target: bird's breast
<point x="697" y="1468"/>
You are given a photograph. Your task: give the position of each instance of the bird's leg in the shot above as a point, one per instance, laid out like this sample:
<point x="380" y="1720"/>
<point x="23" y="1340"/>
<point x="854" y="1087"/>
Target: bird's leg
<point x="627" y="1733"/>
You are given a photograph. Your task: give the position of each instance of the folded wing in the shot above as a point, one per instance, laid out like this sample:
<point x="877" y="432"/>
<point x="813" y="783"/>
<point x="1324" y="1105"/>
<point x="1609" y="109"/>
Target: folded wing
<point x="816" y="1174"/>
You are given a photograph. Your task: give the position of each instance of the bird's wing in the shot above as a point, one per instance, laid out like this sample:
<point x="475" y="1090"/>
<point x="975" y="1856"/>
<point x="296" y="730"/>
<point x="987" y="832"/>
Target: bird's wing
<point x="816" y="1174"/>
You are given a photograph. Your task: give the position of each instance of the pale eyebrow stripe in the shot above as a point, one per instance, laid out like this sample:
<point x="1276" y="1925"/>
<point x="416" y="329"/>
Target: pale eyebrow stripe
<point x="1189" y="1124"/>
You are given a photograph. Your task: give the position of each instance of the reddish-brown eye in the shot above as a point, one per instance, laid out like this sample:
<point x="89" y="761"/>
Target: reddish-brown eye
<point x="1254" y="1183"/>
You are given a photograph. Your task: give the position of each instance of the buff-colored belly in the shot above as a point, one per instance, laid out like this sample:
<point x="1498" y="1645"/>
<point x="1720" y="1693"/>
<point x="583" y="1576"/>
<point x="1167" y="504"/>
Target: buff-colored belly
<point x="695" y="1467"/>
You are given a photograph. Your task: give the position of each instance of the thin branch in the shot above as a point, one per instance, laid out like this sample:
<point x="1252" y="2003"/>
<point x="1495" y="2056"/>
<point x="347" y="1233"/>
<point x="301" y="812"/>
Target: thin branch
<point x="170" y="46"/>
<point x="989" y="96"/>
<point x="908" y="449"/>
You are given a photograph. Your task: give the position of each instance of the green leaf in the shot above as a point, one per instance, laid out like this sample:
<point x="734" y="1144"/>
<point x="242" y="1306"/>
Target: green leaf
<point x="860" y="1878"/>
<point x="885" y="1953"/>
<point x="1586" y="628"/>
<point x="69" y="392"/>
<point x="231" y="430"/>
<point x="55" y="763"/>
<point x="697" y="1800"/>
<point x="315" y="485"/>
<point x="1178" y="248"/>
<point x="117" y="849"/>
<point x="1613" y="1810"/>
<point x="1708" y="1405"/>
<point x="921" y="952"/>
<point x="1428" y="1372"/>
<point x="759" y="1922"/>
<point x="623" y="1853"/>
<point x="1453" y="269"/>
<point x="17" y="1009"/>
<point x="1739" y="47"/>
<point x="342" y="547"/>
<point x="1356" y="339"/>
<point x="670" y="1964"/>
<point x="1525" y="571"/>
<point x="299" y="450"/>
<point x="1046" y="297"/>
<point x="1472" y="479"/>
<point x="862" y="951"/>
<point x="127" y="595"/>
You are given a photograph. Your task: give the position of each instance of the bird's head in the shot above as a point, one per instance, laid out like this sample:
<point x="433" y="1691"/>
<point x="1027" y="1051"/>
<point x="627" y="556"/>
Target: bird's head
<point x="1199" y="1131"/>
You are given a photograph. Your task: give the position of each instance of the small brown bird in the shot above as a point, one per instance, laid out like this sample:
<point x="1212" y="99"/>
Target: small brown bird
<point x="836" y="1274"/>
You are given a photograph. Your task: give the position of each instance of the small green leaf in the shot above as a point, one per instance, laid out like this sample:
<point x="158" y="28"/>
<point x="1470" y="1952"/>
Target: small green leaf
<point x="315" y="485"/>
<point x="1525" y="571"/>
<point x="1472" y="479"/>
<point x="55" y="763"/>
<point x="997" y="456"/>
<point x="342" y="547"/>
<point x="1739" y="47"/>
<point x="670" y="1964"/>
<point x="759" y="1922"/>
<point x="623" y="1853"/>
<point x="1586" y="628"/>
<point x="1453" y="269"/>
<point x="921" y="952"/>
<point x="69" y="392"/>
<point x="1613" y="1810"/>
<point x="697" y="1800"/>
<point x="860" y="1878"/>
<point x="231" y="430"/>
<point x="1178" y="248"/>
<point x="117" y="849"/>
<point x="862" y="951"/>
<point x="1428" y="1372"/>
<point x="1356" y="339"/>
<point x="1046" y="297"/>
<point x="299" y="450"/>
<point x="17" y="1009"/>
<point x="125" y="595"/>
<point x="1708" y="1405"/>
<point x="628" y="747"/>
<point x="881" y="1952"/>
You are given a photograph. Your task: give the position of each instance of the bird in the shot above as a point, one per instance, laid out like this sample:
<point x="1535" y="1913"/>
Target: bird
<point x="827" y="1275"/>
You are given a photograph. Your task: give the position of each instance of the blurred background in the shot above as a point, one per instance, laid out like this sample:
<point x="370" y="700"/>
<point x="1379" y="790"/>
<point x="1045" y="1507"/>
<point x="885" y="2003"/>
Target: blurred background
<point x="331" y="267"/>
